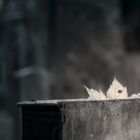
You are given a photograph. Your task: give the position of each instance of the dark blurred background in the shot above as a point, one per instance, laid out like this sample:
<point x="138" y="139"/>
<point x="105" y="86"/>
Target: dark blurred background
<point x="50" y="48"/>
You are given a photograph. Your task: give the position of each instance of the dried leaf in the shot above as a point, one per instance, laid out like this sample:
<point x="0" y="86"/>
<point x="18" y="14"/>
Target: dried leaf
<point x="102" y="95"/>
<point x="135" y="96"/>
<point x="95" y="95"/>
<point x="117" y="91"/>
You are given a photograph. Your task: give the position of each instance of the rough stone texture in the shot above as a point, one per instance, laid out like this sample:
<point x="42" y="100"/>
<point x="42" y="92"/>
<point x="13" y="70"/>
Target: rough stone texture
<point x="81" y="120"/>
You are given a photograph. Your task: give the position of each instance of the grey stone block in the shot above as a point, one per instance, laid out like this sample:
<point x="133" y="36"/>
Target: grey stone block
<point x="81" y="119"/>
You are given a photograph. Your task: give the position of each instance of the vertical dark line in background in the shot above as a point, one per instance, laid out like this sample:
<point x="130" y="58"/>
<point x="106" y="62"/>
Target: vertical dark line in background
<point x="16" y="86"/>
<point x="125" y="11"/>
<point x="131" y="24"/>
<point x="52" y="13"/>
<point x="125" y="8"/>
<point x="13" y="81"/>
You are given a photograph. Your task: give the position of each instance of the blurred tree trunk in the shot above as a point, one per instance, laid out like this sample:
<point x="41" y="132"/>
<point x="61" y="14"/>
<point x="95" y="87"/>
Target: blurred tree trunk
<point x="23" y="51"/>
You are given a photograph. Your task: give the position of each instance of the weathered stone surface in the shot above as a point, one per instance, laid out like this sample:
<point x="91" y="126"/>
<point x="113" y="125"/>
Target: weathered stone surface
<point x="81" y="119"/>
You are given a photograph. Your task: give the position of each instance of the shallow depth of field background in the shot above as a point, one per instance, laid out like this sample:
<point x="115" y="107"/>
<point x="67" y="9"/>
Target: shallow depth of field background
<point x="50" y="48"/>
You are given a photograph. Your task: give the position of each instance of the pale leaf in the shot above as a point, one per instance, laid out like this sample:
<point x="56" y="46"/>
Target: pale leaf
<point x="135" y="96"/>
<point x="95" y="95"/>
<point x="102" y="95"/>
<point x="117" y="91"/>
